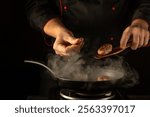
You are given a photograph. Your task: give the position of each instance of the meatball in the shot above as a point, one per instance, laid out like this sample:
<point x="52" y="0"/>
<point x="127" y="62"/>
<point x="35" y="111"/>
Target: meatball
<point x="105" y="49"/>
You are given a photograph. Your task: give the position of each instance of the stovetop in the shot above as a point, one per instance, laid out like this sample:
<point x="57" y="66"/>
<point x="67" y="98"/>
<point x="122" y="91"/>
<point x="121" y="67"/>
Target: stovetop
<point x="63" y="94"/>
<point x="128" y="97"/>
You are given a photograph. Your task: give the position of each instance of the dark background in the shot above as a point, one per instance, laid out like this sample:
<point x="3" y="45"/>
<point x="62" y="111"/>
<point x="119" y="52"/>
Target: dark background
<point x="18" y="41"/>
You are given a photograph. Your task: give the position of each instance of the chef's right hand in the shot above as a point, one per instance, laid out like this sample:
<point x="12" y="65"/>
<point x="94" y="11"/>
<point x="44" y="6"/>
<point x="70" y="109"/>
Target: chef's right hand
<point x="66" y="44"/>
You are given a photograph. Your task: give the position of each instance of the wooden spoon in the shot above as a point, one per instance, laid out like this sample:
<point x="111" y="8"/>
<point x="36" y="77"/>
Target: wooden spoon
<point x="116" y="50"/>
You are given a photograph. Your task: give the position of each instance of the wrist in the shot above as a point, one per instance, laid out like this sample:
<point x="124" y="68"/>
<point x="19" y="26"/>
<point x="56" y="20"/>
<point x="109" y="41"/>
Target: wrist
<point x="54" y="27"/>
<point x="140" y="23"/>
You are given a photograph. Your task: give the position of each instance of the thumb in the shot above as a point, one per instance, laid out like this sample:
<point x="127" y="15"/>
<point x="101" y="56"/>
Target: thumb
<point x="125" y="37"/>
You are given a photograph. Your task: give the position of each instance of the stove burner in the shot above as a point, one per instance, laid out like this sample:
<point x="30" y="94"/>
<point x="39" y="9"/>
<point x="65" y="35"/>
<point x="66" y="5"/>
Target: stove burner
<point x="73" y="95"/>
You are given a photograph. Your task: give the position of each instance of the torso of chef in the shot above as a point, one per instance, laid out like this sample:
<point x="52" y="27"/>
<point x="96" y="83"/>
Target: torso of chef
<point x="96" y="21"/>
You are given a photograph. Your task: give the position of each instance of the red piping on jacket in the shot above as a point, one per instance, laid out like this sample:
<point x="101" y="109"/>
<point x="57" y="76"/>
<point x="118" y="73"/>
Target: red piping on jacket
<point x="60" y="5"/>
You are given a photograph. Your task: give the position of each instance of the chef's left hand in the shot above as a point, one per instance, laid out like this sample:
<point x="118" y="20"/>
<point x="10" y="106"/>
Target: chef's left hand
<point x="138" y="32"/>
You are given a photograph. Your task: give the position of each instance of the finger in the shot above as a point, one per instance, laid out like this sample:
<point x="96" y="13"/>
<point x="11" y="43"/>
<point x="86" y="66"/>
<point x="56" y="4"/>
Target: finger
<point x="62" y="54"/>
<point x="135" y="42"/>
<point x="73" y="48"/>
<point x="80" y="41"/>
<point x="60" y="49"/>
<point x="141" y="38"/>
<point x="81" y="44"/>
<point x="59" y="53"/>
<point x="58" y="46"/>
<point x="73" y="40"/>
<point x="147" y="37"/>
<point x="125" y="37"/>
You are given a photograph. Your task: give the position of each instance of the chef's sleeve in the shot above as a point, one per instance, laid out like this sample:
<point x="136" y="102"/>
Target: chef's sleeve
<point x="143" y="10"/>
<point x="39" y="12"/>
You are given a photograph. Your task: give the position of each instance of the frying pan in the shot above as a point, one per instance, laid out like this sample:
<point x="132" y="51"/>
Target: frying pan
<point x="91" y="85"/>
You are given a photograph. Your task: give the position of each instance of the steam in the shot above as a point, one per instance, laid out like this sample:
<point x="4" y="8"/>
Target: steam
<point x="78" y="69"/>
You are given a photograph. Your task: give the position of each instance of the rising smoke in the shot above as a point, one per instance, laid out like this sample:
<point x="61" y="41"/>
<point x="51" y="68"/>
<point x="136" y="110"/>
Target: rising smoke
<point x="76" y="68"/>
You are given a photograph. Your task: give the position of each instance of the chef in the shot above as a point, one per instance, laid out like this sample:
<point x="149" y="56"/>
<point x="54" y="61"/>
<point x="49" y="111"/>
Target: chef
<point x="86" y="24"/>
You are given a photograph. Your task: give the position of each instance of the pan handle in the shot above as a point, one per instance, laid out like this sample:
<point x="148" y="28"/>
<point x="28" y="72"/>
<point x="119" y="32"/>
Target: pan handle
<point x="42" y="65"/>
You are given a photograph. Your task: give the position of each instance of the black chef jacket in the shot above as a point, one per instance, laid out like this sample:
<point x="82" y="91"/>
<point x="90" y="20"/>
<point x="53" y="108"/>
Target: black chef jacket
<point x="98" y="20"/>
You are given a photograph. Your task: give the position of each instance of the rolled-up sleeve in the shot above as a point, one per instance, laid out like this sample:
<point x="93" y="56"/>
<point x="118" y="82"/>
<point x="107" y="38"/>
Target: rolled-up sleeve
<point x="39" y="12"/>
<point x="143" y="10"/>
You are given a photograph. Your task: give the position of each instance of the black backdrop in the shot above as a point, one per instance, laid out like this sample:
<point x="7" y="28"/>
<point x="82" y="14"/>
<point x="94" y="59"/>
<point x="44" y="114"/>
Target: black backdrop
<point x="18" y="41"/>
